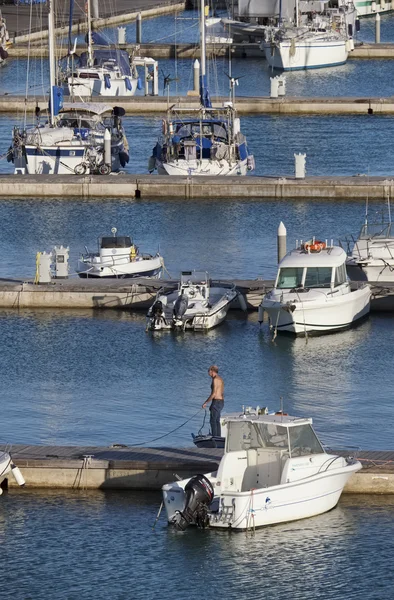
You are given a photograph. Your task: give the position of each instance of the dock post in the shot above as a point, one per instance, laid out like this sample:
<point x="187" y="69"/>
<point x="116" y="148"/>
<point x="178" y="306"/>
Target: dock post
<point x="95" y="9"/>
<point x="138" y="29"/>
<point x="282" y="233"/>
<point x="121" y="35"/>
<point x="377" y="29"/>
<point x="274" y="87"/>
<point x="196" y="76"/>
<point x="300" y="166"/>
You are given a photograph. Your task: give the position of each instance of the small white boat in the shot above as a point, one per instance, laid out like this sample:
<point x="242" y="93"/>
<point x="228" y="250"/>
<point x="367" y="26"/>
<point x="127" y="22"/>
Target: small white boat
<point x="7" y="466"/>
<point x="372" y="256"/>
<point x="196" y="304"/>
<point x="312" y="293"/>
<point x="274" y="469"/>
<point x="118" y="257"/>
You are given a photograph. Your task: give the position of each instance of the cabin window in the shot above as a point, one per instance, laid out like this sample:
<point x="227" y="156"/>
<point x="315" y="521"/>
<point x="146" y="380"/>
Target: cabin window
<point x="318" y="277"/>
<point x="340" y="274"/>
<point x="303" y="441"/>
<point x="290" y="277"/>
<point x="244" y="435"/>
<point x="115" y="242"/>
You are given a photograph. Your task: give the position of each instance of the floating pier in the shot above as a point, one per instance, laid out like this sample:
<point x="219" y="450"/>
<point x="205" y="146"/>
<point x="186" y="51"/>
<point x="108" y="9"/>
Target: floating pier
<point x="128" y="468"/>
<point x="357" y="187"/>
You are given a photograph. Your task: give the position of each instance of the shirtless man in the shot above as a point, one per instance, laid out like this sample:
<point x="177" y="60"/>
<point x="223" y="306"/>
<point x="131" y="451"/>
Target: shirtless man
<point x="216" y="398"/>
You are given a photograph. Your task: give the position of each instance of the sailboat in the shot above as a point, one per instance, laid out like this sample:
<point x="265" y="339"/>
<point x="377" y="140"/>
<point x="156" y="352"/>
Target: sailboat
<point x="77" y="138"/>
<point x="314" y="40"/>
<point x="103" y="71"/>
<point x="204" y="140"/>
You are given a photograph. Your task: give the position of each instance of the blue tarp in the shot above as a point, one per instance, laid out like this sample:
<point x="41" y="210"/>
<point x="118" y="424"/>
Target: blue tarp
<point x="104" y="56"/>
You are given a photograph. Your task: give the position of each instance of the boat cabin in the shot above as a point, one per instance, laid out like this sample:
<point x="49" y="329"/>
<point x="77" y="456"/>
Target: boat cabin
<point x="302" y="268"/>
<point x="195" y="285"/>
<point x="193" y="139"/>
<point x="266" y="450"/>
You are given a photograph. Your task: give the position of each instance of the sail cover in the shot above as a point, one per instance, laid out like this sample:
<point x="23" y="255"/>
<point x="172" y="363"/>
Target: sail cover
<point x="105" y="57"/>
<point x="266" y="8"/>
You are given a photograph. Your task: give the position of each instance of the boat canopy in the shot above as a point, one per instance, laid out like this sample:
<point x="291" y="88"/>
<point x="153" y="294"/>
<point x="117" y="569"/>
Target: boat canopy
<point x="194" y="277"/>
<point x="109" y="58"/>
<point x="296" y="436"/>
<point x="115" y="242"/>
<point x="205" y="127"/>
<point x="95" y="108"/>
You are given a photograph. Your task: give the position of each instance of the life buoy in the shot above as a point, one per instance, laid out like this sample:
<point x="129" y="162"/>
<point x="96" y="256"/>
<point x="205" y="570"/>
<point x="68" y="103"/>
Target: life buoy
<point x="315" y="246"/>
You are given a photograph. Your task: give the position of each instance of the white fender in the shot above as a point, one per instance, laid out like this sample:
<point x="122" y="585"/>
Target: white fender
<point x="20" y="480"/>
<point x="261" y="314"/>
<point x="242" y="302"/>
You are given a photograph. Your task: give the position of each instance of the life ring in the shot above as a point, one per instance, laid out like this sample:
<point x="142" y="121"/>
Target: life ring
<point x="315" y="246"/>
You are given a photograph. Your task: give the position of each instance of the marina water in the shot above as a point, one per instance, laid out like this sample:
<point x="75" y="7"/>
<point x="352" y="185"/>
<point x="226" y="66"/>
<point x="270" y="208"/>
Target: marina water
<point x="97" y="378"/>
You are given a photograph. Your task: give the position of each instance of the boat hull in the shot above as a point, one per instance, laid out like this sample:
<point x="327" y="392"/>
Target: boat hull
<point x="125" y="270"/>
<point x="319" y="317"/>
<point x="204" y="167"/>
<point x="83" y="87"/>
<point x="305" y="55"/>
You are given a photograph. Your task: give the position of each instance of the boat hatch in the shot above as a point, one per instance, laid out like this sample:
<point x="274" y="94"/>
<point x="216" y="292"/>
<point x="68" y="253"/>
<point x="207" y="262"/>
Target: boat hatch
<point x="115" y="242"/>
<point x="298" y="440"/>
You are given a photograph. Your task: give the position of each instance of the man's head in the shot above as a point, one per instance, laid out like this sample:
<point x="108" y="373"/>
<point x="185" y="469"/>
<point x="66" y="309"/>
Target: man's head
<point x="213" y="371"/>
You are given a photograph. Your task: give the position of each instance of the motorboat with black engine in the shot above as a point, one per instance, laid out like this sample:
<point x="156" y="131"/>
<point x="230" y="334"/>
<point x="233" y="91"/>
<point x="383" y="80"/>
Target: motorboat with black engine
<point x="118" y="257"/>
<point x="196" y="304"/>
<point x="274" y="469"/>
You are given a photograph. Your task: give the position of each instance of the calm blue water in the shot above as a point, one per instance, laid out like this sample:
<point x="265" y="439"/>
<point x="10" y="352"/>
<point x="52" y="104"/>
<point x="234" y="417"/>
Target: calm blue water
<point x="90" y="377"/>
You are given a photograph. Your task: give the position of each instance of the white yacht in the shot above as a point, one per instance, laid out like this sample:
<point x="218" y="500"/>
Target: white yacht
<point x="118" y="257"/>
<point x="312" y="293"/>
<point x="372" y="256"/>
<point x="274" y="469"/>
<point x="196" y="304"/>
<point x="7" y="467"/>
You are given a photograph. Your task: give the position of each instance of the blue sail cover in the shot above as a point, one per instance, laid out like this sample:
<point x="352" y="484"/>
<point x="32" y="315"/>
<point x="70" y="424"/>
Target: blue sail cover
<point x="102" y="56"/>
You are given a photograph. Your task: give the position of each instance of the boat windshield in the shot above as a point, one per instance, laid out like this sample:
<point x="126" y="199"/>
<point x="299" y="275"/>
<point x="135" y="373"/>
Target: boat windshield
<point x="375" y="230"/>
<point x="304" y="441"/>
<point x="290" y="277"/>
<point x="243" y="435"/>
<point x="116" y="242"/>
<point x="318" y="277"/>
<point x="217" y="131"/>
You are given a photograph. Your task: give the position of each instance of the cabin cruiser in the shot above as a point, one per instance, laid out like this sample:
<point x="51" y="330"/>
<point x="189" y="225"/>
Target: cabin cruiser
<point x="372" y="256"/>
<point x="118" y="257"/>
<point x="312" y="293"/>
<point x="196" y="304"/>
<point x="274" y="469"/>
<point x="7" y="466"/>
<point x="72" y="143"/>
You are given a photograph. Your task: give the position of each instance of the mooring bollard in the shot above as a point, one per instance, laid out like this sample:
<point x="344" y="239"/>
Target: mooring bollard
<point x="138" y="29"/>
<point x="121" y="35"/>
<point x="282" y="236"/>
<point x="377" y="29"/>
<point x="300" y="169"/>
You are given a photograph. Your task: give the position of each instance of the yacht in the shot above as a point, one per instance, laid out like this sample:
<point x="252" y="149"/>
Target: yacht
<point x="204" y="140"/>
<point x="118" y="257"/>
<point x="274" y="470"/>
<point x="312" y="293"/>
<point x="7" y="467"/>
<point x="196" y="304"/>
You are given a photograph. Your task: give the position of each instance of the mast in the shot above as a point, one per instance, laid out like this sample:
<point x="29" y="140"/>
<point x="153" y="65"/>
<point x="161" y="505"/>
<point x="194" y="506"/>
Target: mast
<point x="89" y="17"/>
<point x="52" y="60"/>
<point x="296" y="8"/>
<point x="204" y="93"/>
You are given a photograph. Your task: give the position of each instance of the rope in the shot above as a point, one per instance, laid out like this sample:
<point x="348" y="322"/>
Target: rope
<point x="166" y="434"/>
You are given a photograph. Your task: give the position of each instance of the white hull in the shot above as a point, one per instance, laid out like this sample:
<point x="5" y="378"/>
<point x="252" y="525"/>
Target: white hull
<point x="305" y="54"/>
<point x="7" y="467"/>
<point x="368" y="8"/>
<point x="195" y="320"/>
<point x="82" y="87"/>
<point x="315" y="315"/>
<point x="375" y="270"/>
<point x="202" y="167"/>
<point x="122" y="268"/>
<point x="242" y="510"/>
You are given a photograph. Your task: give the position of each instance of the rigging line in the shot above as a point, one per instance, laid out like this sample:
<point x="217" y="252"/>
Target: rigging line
<point x="166" y="434"/>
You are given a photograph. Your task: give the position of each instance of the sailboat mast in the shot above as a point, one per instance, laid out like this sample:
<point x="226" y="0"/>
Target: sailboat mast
<point x="204" y="94"/>
<point x="52" y="59"/>
<point x="89" y="17"/>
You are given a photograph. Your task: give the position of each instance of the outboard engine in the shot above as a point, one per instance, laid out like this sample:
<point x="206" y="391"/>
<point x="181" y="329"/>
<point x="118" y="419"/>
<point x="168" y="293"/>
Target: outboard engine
<point x="156" y="313"/>
<point x="198" y="496"/>
<point x="180" y="307"/>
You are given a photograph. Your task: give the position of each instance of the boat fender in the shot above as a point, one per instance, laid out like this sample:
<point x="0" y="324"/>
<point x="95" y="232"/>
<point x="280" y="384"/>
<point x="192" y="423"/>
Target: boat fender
<point x="128" y="84"/>
<point x="242" y="302"/>
<point x="20" y="480"/>
<point x="261" y="314"/>
<point x="164" y="127"/>
<point x="151" y="164"/>
<point x="139" y="84"/>
<point x="123" y="158"/>
<point x="107" y="80"/>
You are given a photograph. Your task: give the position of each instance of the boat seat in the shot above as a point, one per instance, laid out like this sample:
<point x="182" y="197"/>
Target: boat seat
<point x="264" y="468"/>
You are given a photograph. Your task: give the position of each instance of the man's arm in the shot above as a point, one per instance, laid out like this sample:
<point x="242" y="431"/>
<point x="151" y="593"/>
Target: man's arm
<point x="212" y="395"/>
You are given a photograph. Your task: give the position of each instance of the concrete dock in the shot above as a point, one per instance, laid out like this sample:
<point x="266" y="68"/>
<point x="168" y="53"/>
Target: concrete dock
<point x="357" y="187"/>
<point x="135" y="468"/>
<point x="288" y="105"/>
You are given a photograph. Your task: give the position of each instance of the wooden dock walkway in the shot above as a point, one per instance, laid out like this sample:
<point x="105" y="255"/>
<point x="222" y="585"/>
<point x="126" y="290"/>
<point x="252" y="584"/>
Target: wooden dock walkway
<point x="136" y="468"/>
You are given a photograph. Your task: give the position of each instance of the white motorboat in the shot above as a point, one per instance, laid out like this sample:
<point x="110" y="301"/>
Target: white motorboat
<point x="7" y="467"/>
<point x="312" y="293"/>
<point x="196" y="304"/>
<point x="274" y="469"/>
<point x="206" y="140"/>
<point x="372" y="256"/>
<point x="118" y="257"/>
